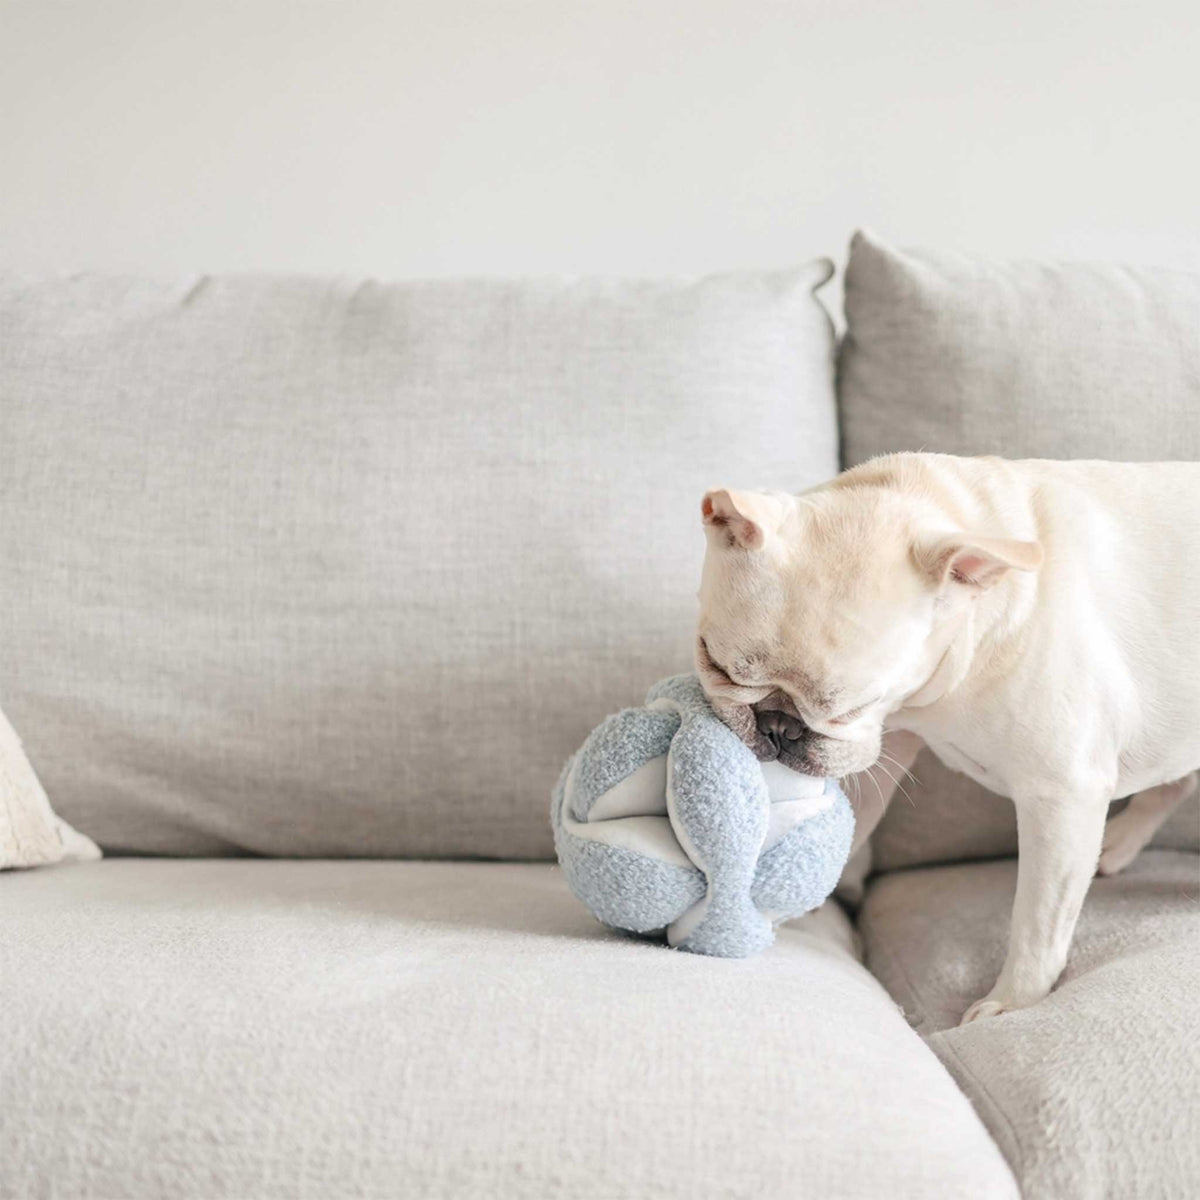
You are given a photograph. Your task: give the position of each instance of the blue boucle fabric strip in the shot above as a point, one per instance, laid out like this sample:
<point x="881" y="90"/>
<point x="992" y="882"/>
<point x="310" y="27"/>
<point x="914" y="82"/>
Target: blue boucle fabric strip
<point x="615" y="749"/>
<point x="717" y="800"/>
<point x="626" y="890"/>
<point x="800" y="871"/>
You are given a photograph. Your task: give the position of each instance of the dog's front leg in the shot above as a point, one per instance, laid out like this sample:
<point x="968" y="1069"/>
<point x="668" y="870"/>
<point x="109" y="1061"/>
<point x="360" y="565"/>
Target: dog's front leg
<point x="1058" y="840"/>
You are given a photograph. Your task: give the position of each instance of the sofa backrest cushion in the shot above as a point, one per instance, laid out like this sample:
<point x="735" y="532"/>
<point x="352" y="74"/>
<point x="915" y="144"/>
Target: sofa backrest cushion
<point x="338" y="567"/>
<point x="1027" y="360"/>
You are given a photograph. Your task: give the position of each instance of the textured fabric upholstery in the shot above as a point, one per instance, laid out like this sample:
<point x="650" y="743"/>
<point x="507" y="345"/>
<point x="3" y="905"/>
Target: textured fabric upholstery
<point x="226" y="1029"/>
<point x="325" y="567"/>
<point x="1095" y="1091"/>
<point x="953" y="818"/>
<point x="959" y="355"/>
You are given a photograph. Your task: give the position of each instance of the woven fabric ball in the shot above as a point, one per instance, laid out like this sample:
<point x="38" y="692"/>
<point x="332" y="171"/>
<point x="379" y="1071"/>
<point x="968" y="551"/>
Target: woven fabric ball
<point x="666" y="824"/>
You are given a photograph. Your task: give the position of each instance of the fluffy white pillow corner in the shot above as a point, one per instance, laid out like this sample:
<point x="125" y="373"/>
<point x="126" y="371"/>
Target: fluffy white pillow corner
<point x="31" y="835"/>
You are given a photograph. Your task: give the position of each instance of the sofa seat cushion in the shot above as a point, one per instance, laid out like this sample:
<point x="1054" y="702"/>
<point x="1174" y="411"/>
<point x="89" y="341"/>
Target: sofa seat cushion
<point x="237" y="1028"/>
<point x="1096" y="1090"/>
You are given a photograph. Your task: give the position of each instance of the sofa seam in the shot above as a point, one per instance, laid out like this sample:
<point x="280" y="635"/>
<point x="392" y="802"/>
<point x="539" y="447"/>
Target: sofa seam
<point x="993" y="1105"/>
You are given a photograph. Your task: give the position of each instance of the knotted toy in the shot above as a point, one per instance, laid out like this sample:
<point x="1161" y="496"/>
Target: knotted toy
<point x="665" y="822"/>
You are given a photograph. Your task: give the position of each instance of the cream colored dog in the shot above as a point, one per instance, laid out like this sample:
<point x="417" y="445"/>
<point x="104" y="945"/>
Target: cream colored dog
<point x="1036" y="623"/>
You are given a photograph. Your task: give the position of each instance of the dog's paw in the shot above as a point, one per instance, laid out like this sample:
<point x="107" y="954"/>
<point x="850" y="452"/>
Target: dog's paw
<point x="1002" y="1000"/>
<point x="982" y="1009"/>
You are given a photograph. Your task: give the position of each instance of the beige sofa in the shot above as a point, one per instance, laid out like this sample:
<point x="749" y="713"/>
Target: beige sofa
<point x="309" y="586"/>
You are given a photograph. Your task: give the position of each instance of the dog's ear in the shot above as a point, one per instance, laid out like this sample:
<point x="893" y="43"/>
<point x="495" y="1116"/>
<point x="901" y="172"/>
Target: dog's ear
<point x="744" y="519"/>
<point x="974" y="562"/>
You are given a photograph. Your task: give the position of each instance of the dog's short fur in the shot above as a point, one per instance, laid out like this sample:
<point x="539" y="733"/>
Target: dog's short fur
<point x="1036" y="623"/>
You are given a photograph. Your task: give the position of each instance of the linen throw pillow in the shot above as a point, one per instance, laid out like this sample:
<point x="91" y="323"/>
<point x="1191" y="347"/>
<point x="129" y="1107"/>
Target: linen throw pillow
<point x="341" y="567"/>
<point x="30" y="834"/>
<point x="949" y="353"/>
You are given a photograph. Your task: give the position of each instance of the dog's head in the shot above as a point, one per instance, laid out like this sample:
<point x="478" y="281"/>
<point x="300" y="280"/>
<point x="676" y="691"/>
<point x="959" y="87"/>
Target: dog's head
<point x="821" y="613"/>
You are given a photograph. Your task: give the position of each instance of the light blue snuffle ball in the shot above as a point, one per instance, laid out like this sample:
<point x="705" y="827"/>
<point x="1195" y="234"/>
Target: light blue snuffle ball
<point x="666" y="823"/>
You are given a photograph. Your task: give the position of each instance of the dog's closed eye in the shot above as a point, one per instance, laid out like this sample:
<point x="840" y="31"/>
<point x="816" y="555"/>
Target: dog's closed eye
<point x="712" y="674"/>
<point x="851" y="714"/>
<point x="736" y="675"/>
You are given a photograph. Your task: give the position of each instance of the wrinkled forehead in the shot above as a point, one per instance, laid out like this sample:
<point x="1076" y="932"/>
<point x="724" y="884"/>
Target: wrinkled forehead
<point x="746" y="617"/>
<point x="822" y="664"/>
<point x="814" y="620"/>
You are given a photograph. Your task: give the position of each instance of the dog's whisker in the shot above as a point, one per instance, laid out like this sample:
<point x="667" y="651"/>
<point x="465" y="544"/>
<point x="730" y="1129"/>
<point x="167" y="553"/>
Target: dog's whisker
<point x="897" y="764"/>
<point x="851" y="782"/>
<point x="900" y="767"/>
<point x="882" y="801"/>
<point x="903" y="773"/>
<point x="897" y="784"/>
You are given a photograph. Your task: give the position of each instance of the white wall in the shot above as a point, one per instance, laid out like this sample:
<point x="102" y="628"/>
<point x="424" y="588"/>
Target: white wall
<point x="461" y="136"/>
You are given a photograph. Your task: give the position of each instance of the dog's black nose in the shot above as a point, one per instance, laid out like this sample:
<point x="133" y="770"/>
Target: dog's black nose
<point x="782" y="731"/>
